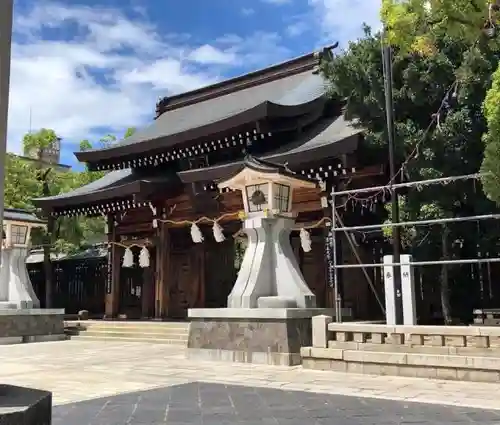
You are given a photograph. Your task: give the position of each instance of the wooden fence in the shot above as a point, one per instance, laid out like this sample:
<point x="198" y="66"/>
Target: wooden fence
<point x="77" y="284"/>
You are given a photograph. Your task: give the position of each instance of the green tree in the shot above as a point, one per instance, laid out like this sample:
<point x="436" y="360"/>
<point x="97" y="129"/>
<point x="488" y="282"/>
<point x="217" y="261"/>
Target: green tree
<point x="416" y="26"/>
<point x="21" y="183"/>
<point x="26" y="179"/>
<point x="452" y="147"/>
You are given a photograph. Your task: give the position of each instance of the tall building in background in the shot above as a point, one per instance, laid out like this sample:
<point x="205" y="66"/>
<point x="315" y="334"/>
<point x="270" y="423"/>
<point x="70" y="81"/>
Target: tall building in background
<point x="50" y="155"/>
<point x="47" y="157"/>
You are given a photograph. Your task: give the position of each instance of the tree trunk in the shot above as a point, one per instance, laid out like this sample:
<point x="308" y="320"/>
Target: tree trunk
<point x="47" y="263"/>
<point x="445" y="289"/>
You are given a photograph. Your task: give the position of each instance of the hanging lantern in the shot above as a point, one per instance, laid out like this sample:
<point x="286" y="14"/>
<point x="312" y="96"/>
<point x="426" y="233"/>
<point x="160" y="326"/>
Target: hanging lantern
<point x="128" y="258"/>
<point x="305" y="240"/>
<point x="218" y="232"/>
<point x="144" y="257"/>
<point x="196" y="234"/>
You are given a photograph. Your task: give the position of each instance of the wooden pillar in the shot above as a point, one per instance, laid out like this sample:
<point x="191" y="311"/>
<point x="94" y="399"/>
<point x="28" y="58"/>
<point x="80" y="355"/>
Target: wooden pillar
<point x="162" y="271"/>
<point x="113" y="278"/>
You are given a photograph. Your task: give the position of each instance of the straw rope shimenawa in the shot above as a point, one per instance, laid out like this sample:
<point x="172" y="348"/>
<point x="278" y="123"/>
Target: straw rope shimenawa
<point x="197" y="236"/>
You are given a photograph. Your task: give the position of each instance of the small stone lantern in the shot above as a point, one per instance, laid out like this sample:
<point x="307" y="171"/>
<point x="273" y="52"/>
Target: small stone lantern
<point x="16" y="290"/>
<point x="269" y="276"/>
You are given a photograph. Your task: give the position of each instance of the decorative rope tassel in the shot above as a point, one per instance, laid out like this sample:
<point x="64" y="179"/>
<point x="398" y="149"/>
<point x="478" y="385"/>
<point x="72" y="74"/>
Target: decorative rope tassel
<point x="144" y="257"/>
<point x="128" y="258"/>
<point x="305" y="240"/>
<point x="106" y="228"/>
<point x="155" y="223"/>
<point x="218" y="232"/>
<point x="196" y="235"/>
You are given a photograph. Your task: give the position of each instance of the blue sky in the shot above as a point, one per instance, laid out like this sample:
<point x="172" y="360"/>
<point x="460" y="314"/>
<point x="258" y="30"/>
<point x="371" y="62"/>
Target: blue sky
<point x="88" y="68"/>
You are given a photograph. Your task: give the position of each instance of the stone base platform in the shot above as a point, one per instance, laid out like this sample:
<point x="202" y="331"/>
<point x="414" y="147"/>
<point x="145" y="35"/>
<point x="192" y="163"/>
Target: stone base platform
<point x="31" y="325"/>
<point x="25" y="406"/>
<point x="255" y="335"/>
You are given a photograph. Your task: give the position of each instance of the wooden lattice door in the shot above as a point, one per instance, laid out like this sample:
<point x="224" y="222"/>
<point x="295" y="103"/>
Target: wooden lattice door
<point x="185" y="282"/>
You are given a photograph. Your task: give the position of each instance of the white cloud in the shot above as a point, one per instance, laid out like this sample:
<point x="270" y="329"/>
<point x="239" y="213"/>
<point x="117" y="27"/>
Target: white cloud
<point x="259" y="49"/>
<point x="208" y="54"/>
<point x="342" y="20"/>
<point x="112" y="71"/>
<point x="297" y="28"/>
<point x="247" y="11"/>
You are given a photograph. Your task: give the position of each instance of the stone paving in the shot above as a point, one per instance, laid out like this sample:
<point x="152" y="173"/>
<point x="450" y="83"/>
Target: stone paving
<point x="95" y="382"/>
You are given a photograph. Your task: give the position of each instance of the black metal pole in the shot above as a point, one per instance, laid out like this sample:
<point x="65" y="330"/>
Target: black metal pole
<point x="396" y="237"/>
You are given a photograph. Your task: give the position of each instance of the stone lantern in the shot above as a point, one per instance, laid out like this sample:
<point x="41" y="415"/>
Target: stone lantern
<point x="270" y="276"/>
<point x="16" y="290"/>
<point x="269" y="311"/>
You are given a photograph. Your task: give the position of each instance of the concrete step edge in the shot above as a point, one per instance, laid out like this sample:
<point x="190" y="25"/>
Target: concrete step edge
<point x="145" y="330"/>
<point x="126" y="324"/>
<point x="150" y="341"/>
<point x="429" y="350"/>
<point x="124" y="328"/>
<point x="135" y="334"/>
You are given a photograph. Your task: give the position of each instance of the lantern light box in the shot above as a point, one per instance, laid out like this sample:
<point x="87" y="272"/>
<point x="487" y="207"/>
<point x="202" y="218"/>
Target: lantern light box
<point x="266" y="187"/>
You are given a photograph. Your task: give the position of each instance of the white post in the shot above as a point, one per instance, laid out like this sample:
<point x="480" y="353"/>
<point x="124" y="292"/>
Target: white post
<point x="408" y="291"/>
<point x="6" y="11"/>
<point x="390" y="302"/>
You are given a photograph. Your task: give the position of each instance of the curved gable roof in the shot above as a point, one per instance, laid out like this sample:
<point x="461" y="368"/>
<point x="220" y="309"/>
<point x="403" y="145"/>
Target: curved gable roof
<point x="115" y="184"/>
<point x="288" y="92"/>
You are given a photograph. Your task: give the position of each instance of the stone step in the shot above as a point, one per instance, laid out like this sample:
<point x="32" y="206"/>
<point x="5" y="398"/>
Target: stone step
<point x="118" y="324"/>
<point x="415" y="349"/>
<point x="134" y="327"/>
<point x="84" y="337"/>
<point x="421" y="365"/>
<point x="162" y="330"/>
<point x="134" y="334"/>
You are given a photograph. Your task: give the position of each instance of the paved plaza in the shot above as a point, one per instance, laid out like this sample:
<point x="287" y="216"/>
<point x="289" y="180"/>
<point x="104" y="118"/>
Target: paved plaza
<point x="97" y="383"/>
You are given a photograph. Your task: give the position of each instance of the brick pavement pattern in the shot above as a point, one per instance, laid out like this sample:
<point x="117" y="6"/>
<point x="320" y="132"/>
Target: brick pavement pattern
<point x="87" y="377"/>
<point x="200" y="403"/>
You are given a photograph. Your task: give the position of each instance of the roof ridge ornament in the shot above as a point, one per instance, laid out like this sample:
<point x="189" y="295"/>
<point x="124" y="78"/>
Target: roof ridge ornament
<point x="285" y="165"/>
<point x="323" y="55"/>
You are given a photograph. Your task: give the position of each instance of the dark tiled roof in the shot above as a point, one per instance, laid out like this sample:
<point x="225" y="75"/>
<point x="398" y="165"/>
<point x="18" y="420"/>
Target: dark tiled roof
<point x="292" y="91"/>
<point x="329" y="138"/>
<point x="288" y="92"/>
<point x="17" y="214"/>
<point x="115" y="184"/>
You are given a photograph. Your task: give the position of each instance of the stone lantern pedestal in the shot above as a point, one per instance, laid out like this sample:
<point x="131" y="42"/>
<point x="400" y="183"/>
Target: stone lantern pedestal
<point x="270" y="306"/>
<point x="21" y="318"/>
<point x="16" y="290"/>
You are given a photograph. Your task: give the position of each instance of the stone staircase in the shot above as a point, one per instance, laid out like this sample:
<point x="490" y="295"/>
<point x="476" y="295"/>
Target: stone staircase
<point x="170" y="333"/>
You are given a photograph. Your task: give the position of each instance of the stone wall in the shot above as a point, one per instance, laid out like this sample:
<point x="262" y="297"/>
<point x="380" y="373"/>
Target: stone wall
<point x="469" y="353"/>
<point x="267" y="341"/>
<point x="31" y="325"/>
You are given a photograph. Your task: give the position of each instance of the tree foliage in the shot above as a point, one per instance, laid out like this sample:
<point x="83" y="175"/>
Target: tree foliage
<point x="415" y="26"/>
<point x="418" y="25"/>
<point x="439" y="144"/>
<point x="27" y="179"/>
